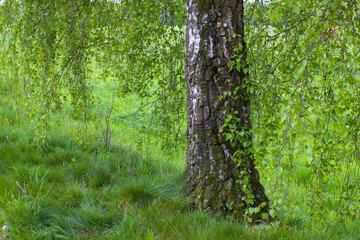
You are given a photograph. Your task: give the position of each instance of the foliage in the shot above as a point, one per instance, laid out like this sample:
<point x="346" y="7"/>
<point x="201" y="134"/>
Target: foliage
<point x="57" y="48"/>
<point x="304" y="75"/>
<point x="67" y="59"/>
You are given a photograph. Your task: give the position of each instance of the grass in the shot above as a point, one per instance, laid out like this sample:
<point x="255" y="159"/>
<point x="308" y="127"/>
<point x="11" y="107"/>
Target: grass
<point x="64" y="191"/>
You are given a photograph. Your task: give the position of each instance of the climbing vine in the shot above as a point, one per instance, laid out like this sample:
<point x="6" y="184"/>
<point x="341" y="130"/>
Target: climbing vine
<point x="302" y="69"/>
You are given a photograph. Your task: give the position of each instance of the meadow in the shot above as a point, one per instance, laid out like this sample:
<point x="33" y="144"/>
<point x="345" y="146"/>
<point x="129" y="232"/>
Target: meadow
<point x="65" y="189"/>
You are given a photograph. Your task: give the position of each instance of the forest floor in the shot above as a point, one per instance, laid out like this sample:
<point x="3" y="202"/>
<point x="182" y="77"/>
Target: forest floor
<point x="62" y="190"/>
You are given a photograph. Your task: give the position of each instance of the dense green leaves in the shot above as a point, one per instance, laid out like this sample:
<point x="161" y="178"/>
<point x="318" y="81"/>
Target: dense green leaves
<point x="305" y="72"/>
<point x="60" y="48"/>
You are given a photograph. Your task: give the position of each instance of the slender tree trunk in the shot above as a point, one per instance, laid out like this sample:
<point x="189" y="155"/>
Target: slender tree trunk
<point x="209" y="158"/>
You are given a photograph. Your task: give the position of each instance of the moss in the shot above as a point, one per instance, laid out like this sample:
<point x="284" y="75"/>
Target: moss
<point x="205" y="4"/>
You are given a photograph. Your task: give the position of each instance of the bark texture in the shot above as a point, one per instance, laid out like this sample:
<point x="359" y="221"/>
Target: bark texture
<point x="212" y="171"/>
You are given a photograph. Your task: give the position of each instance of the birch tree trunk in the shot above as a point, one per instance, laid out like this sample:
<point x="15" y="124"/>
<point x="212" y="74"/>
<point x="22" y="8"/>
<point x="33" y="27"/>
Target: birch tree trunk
<point x="209" y="158"/>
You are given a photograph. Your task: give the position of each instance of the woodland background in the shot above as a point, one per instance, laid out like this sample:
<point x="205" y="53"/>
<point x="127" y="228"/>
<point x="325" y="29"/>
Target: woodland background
<point x="93" y="120"/>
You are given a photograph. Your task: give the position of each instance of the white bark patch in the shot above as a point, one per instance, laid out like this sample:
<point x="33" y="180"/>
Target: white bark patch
<point x="228" y="24"/>
<point x="205" y="18"/>
<point x="196" y="91"/>
<point x="221" y="176"/>
<point x="194" y="108"/>
<point x="227" y="154"/>
<point x="194" y="33"/>
<point x="211" y="48"/>
<point x="226" y="53"/>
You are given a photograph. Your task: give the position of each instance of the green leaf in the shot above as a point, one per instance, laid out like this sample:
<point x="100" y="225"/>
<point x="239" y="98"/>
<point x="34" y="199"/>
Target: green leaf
<point x="251" y="210"/>
<point x="272" y="213"/>
<point x="297" y="9"/>
<point x="309" y="151"/>
<point x="314" y="117"/>
<point x="263" y="204"/>
<point x="272" y="18"/>
<point x="149" y="235"/>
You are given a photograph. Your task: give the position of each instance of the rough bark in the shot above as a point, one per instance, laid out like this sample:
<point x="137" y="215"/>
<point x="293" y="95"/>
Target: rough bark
<point x="209" y="158"/>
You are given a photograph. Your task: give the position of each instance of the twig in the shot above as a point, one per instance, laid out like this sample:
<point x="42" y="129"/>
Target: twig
<point x="8" y="234"/>
<point x="15" y="220"/>
<point x="22" y="189"/>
